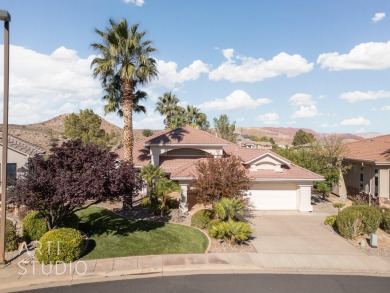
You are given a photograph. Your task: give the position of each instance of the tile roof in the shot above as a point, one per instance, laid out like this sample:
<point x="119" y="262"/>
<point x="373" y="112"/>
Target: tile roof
<point x="185" y="167"/>
<point x="375" y="149"/>
<point x="22" y="146"/>
<point x="186" y="135"/>
<point x="288" y="172"/>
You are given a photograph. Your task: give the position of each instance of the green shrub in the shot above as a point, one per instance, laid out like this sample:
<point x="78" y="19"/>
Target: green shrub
<point x="386" y="220"/>
<point x="34" y="226"/>
<point x="233" y="231"/>
<point x="331" y="220"/>
<point x="229" y="208"/>
<point x="172" y="203"/>
<point x="202" y="218"/>
<point x="358" y="220"/>
<point x="71" y="221"/>
<point x="145" y="202"/>
<point x="213" y="223"/>
<point x="11" y="239"/>
<point x="60" y="245"/>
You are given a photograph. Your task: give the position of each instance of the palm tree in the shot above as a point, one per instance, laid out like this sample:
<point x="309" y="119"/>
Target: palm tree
<point x="177" y="119"/>
<point x="150" y="174"/>
<point x="196" y="118"/>
<point x="164" y="187"/>
<point x="114" y="100"/>
<point x="123" y="52"/>
<point x="167" y="106"/>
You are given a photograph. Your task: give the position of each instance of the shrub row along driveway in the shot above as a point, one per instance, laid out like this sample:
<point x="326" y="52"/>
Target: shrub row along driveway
<point x="294" y="233"/>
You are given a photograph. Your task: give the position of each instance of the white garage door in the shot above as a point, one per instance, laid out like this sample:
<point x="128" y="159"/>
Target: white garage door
<point x="268" y="196"/>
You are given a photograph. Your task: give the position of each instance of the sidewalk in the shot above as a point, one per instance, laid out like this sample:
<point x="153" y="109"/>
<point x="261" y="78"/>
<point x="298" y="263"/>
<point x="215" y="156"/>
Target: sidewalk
<point x="212" y="263"/>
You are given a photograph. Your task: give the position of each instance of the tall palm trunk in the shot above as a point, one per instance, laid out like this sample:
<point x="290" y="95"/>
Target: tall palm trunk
<point x="128" y="138"/>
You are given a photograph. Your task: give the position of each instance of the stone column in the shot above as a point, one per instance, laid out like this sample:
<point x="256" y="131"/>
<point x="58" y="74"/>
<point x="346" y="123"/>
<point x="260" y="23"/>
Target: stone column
<point x="183" y="198"/>
<point x="304" y="198"/>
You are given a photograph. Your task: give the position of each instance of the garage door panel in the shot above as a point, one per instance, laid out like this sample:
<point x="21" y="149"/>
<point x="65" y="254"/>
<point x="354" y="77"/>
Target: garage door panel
<point x="282" y="198"/>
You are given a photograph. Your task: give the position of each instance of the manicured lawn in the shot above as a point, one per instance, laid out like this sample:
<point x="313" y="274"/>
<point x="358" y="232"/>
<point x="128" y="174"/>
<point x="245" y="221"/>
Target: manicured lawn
<point x="113" y="236"/>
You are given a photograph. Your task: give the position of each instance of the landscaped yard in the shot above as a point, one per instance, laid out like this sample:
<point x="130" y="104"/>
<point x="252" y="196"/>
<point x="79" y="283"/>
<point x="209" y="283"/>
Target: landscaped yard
<point x="114" y="236"/>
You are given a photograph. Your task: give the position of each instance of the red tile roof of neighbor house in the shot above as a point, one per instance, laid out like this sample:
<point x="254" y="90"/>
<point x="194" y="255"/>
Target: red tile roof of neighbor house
<point x="375" y="149"/>
<point x="182" y="167"/>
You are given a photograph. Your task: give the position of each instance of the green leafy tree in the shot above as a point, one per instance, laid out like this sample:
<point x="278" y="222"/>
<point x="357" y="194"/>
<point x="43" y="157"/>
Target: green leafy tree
<point x="86" y="127"/>
<point x="150" y="174"/>
<point x="124" y="53"/>
<point x="147" y="132"/>
<point x="224" y="129"/>
<point x="303" y="137"/>
<point x="178" y="119"/>
<point x="163" y="188"/>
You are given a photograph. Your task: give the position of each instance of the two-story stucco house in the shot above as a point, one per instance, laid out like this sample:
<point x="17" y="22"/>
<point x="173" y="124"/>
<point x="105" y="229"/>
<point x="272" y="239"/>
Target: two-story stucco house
<point x="369" y="171"/>
<point x="277" y="184"/>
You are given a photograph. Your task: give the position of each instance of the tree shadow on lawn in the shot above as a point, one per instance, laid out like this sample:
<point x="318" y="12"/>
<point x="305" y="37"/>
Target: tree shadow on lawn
<point x="105" y="222"/>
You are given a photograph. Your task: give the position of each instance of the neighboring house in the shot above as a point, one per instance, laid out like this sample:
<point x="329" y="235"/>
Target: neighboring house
<point x="245" y="141"/>
<point x="18" y="153"/>
<point x="370" y="169"/>
<point x="277" y="184"/>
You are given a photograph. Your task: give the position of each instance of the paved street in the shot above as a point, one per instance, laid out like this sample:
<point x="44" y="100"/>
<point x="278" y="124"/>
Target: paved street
<point x="234" y="283"/>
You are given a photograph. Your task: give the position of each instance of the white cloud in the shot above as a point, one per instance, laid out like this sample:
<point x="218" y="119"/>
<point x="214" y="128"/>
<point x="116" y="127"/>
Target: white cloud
<point x="378" y="16"/>
<point x="248" y="69"/>
<point x="240" y="119"/>
<point x="136" y="2"/>
<point x="42" y="86"/>
<point x="152" y="120"/>
<point x="372" y="55"/>
<point x="268" y="118"/>
<point x="304" y="106"/>
<point x="385" y="108"/>
<point x="358" y="96"/>
<point x="360" y="130"/>
<point x="300" y="99"/>
<point x="305" y="112"/>
<point x="235" y="101"/>
<point x="169" y="76"/>
<point x="329" y="125"/>
<point x="358" y="121"/>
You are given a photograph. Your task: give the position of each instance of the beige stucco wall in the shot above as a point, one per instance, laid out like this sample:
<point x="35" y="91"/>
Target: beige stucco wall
<point x="352" y="179"/>
<point x="15" y="157"/>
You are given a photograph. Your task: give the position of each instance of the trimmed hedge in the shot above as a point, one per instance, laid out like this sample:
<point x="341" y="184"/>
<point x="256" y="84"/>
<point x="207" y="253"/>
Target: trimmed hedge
<point x="386" y="220"/>
<point x="34" y="226"/>
<point x="11" y="239"/>
<point x="60" y="245"/>
<point x="331" y="220"/>
<point x="202" y="218"/>
<point x="358" y="220"/>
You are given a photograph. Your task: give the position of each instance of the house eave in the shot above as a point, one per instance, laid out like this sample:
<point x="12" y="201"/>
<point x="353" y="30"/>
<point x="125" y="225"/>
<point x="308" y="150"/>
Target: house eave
<point x="286" y="179"/>
<point x="370" y="162"/>
<point x="185" y="145"/>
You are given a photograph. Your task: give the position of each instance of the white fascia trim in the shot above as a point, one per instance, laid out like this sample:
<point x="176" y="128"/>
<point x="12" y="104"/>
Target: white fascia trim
<point x="185" y="145"/>
<point x="366" y="162"/>
<point x="284" y="179"/>
<point x="268" y="154"/>
<point x="182" y="178"/>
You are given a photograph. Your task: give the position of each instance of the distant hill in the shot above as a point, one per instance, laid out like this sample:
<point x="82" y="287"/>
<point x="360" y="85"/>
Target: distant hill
<point x="285" y="135"/>
<point x="45" y="133"/>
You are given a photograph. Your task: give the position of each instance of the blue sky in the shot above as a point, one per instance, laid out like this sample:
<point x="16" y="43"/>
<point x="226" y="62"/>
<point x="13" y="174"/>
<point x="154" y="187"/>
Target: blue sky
<point x="323" y="65"/>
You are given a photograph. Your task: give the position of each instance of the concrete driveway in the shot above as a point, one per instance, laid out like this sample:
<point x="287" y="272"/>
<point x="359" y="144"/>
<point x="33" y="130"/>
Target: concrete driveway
<point x="297" y="233"/>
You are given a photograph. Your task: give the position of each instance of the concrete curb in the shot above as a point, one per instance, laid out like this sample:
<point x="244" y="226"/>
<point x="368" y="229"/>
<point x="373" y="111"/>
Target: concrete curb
<point x="174" y="265"/>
